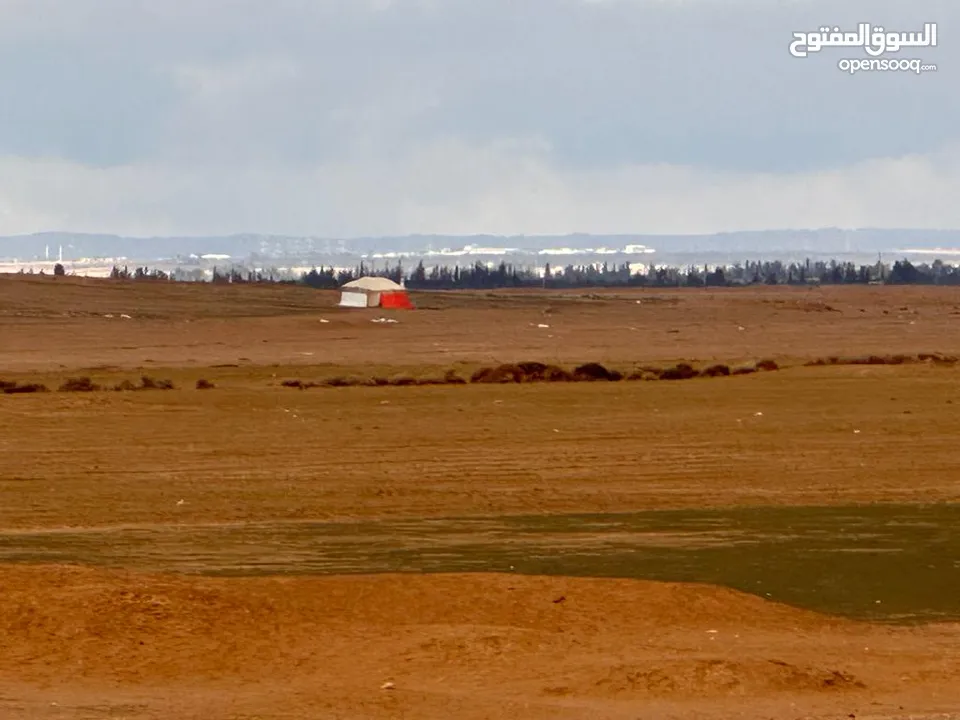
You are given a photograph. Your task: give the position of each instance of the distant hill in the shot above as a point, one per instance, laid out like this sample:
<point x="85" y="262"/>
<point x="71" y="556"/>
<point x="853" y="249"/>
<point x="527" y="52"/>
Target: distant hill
<point x="770" y="243"/>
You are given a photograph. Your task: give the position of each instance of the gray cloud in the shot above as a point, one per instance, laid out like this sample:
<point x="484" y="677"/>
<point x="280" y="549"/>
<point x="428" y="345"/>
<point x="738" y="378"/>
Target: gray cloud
<point x="337" y="117"/>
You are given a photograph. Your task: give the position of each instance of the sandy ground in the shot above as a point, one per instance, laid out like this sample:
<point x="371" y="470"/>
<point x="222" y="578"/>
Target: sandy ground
<point x="83" y="643"/>
<point x="471" y="646"/>
<point x="52" y="325"/>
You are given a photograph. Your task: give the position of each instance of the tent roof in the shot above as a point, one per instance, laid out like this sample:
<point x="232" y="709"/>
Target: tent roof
<point x="376" y="284"/>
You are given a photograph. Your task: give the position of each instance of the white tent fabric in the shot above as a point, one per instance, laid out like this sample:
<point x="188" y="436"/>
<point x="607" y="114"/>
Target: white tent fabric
<point x="374" y="284"/>
<point x="366" y="291"/>
<point x="354" y="299"/>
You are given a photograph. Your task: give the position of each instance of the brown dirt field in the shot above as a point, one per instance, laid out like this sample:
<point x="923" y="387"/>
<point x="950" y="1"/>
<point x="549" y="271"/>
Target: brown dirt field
<point x="250" y="450"/>
<point x="470" y="646"/>
<point x="58" y="323"/>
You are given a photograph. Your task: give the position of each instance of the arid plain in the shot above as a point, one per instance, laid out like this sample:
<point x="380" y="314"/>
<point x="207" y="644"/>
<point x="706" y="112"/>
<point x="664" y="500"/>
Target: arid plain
<point x="137" y="630"/>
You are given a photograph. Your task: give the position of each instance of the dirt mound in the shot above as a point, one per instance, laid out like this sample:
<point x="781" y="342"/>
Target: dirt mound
<point x="133" y="627"/>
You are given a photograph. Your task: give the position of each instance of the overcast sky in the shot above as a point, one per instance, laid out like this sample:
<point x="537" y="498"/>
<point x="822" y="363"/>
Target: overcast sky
<point x="363" y="117"/>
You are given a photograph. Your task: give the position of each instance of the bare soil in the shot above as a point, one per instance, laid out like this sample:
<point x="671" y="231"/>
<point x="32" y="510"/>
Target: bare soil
<point x="86" y="643"/>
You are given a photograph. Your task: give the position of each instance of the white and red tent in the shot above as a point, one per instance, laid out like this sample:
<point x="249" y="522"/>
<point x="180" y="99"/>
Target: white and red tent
<point x="368" y="292"/>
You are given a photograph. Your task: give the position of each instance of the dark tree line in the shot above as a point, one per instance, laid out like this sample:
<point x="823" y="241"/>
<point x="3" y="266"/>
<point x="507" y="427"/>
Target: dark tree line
<point x="482" y="277"/>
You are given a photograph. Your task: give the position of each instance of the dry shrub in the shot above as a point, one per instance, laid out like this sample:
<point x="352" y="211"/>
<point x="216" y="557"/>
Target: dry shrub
<point x="402" y="381"/>
<point x="937" y="358"/>
<point x="381" y="381"/>
<point x="820" y="362"/>
<point x="680" y="371"/>
<point x="203" y="384"/>
<point x="525" y="372"/>
<point x="744" y="370"/>
<point x="79" y="384"/>
<point x="645" y="372"/>
<point x="298" y="384"/>
<point x="590" y="372"/>
<point x="337" y="382"/>
<point x="149" y="383"/>
<point x="532" y="371"/>
<point x="125" y="386"/>
<point x="719" y="370"/>
<point x="505" y="373"/>
<point x="768" y="365"/>
<point x="431" y="381"/>
<point x="12" y="388"/>
<point x="541" y="372"/>
<point x="899" y="359"/>
<point x="866" y="360"/>
<point x="451" y="378"/>
<point x="552" y="373"/>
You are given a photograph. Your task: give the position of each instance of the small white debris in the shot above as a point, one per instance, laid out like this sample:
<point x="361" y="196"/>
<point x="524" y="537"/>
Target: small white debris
<point x="324" y="320"/>
<point x="758" y="414"/>
<point x="108" y="316"/>
<point x="387" y="686"/>
<point x="740" y="327"/>
<point x="383" y="320"/>
<point x="125" y="317"/>
<point x="306" y="353"/>
<point x="556" y="430"/>
<point x="713" y="632"/>
<point x="639" y="302"/>
<point x="856" y="432"/>
<point x="541" y="325"/>
<point x="384" y="402"/>
<point x="181" y="501"/>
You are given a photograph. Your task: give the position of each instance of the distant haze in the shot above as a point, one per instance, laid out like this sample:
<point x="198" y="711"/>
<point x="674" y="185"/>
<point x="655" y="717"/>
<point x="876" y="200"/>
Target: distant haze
<point x="362" y="118"/>
<point x="523" y="250"/>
